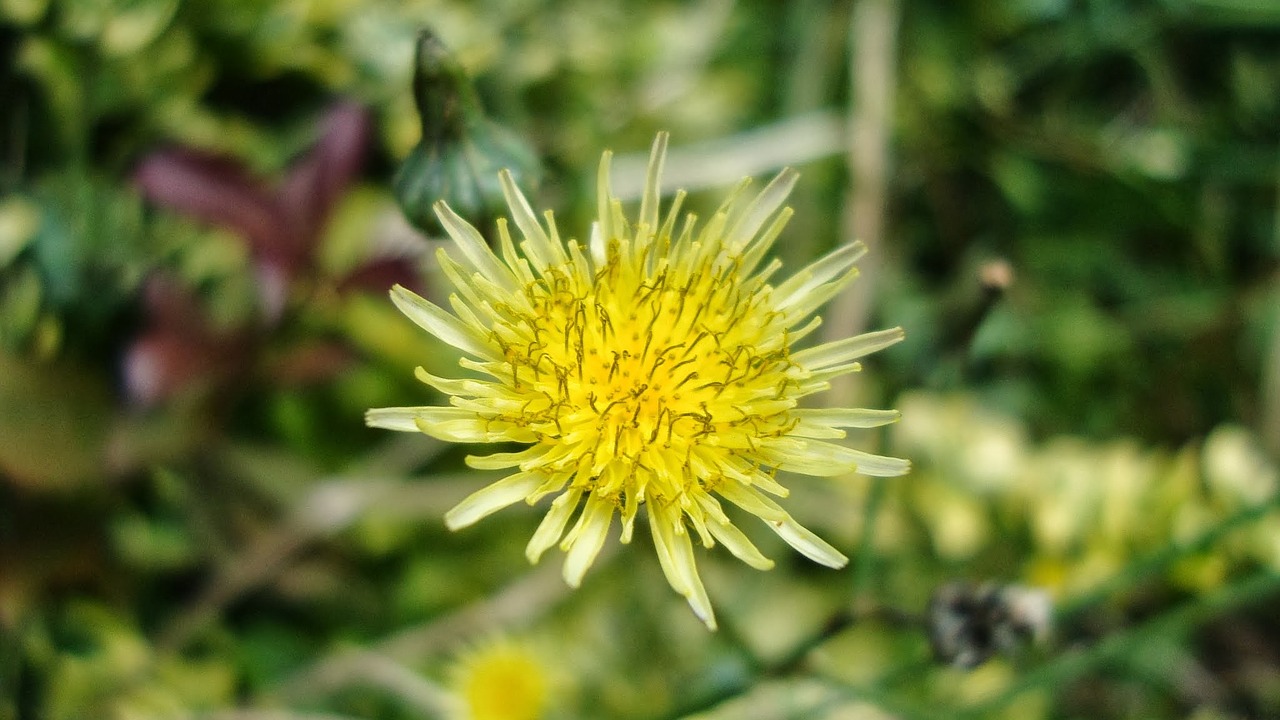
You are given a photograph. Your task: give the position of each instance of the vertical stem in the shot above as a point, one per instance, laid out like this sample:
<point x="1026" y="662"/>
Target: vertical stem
<point x="873" y="35"/>
<point x="1270" y="430"/>
<point x="862" y="562"/>
<point x="815" y="54"/>
<point x="1270" y="395"/>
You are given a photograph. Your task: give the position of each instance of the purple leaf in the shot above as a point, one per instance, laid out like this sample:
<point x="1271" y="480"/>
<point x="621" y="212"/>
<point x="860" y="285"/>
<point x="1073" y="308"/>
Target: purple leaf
<point x="380" y="274"/>
<point x="217" y="190"/>
<point x="178" y="349"/>
<point x="318" y="179"/>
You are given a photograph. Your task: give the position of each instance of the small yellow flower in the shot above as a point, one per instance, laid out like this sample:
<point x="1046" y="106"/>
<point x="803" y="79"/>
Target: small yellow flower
<point x="501" y="680"/>
<point x="653" y="367"/>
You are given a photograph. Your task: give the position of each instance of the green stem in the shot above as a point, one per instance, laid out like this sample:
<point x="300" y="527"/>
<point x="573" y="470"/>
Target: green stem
<point x="1161" y="561"/>
<point x="864" y="561"/>
<point x="1070" y="666"/>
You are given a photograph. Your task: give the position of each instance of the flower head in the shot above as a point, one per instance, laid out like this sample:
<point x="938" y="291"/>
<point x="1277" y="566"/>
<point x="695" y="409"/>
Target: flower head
<point x="656" y="366"/>
<point x="502" y="679"/>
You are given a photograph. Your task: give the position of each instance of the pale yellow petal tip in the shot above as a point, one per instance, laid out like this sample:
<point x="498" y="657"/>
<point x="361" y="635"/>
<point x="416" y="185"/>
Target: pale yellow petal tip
<point x="887" y="467"/>
<point x="573" y="576"/>
<point x="658" y="151"/>
<point x="397" y="419"/>
<point x="452" y="522"/>
<point x="492" y="498"/>
<point x="707" y="617"/>
<point x="442" y="210"/>
<point x="423" y="427"/>
<point x="603" y="183"/>
<point x="576" y="565"/>
<point x="809" y="544"/>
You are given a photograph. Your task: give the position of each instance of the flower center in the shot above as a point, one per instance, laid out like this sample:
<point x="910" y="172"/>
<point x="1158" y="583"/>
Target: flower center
<point x="643" y="367"/>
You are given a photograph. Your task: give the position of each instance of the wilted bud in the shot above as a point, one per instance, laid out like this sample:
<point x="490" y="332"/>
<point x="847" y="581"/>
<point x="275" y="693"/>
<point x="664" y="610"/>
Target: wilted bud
<point x="461" y="151"/>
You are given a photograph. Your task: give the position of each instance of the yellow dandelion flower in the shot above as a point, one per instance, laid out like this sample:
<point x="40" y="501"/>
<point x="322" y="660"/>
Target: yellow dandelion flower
<point x="501" y="680"/>
<point x="656" y="366"/>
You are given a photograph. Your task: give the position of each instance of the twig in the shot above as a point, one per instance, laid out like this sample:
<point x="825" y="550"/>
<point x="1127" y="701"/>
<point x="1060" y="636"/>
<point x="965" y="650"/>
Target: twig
<point x="365" y="667"/>
<point x="787" y="665"/>
<point x="250" y="714"/>
<point x="873" y="33"/>
<point x="808" y="699"/>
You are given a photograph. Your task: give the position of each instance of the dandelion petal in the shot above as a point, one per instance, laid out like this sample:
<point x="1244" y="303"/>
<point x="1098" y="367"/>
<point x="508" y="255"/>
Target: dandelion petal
<point x="438" y="322"/>
<point x="492" y="498"/>
<point x="552" y="525"/>
<point x="587" y="541"/>
<point x="843" y="351"/>
<point x="405" y="419"/>
<point x="808" y="544"/>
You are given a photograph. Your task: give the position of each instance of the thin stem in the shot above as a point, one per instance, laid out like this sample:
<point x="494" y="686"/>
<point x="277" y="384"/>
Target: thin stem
<point x="373" y="669"/>
<point x="1270" y="423"/>
<point x="787" y="665"/>
<point x="882" y="700"/>
<point x="273" y="715"/>
<point x="864" y="561"/>
<point x="1070" y="666"/>
<point x="873" y="33"/>
<point x="1158" y="562"/>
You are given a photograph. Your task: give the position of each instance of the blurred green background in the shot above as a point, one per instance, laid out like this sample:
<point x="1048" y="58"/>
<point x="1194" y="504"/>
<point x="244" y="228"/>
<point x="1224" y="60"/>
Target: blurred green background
<point x="1073" y="208"/>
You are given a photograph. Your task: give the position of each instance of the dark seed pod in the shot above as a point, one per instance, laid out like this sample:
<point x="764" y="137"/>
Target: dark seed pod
<point x="969" y="624"/>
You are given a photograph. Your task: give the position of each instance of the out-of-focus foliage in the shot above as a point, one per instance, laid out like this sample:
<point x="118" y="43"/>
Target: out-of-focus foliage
<point x="193" y="520"/>
<point x="1123" y="157"/>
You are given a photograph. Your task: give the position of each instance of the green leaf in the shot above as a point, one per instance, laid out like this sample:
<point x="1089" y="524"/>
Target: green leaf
<point x="56" y="421"/>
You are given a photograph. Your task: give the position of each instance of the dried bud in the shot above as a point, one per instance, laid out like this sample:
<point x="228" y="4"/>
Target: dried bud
<point x="969" y="624"/>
